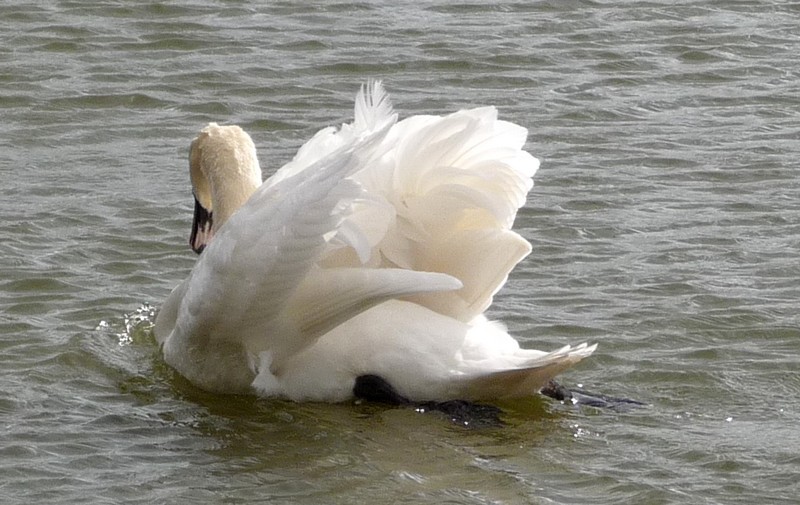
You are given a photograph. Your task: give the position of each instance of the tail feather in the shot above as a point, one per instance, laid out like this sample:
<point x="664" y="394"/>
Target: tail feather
<point x="523" y="382"/>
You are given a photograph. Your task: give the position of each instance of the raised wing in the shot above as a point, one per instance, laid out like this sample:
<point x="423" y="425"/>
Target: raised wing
<point x="452" y="186"/>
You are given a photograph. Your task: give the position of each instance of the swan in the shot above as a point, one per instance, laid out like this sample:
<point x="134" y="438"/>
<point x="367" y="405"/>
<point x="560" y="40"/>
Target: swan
<point x="366" y="262"/>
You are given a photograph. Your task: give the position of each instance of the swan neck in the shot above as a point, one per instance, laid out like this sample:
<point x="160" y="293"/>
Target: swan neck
<point x="230" y="193"/>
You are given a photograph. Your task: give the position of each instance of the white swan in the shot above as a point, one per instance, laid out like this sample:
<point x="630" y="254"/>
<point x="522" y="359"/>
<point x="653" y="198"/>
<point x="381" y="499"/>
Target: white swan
<point x="374" y="252"/>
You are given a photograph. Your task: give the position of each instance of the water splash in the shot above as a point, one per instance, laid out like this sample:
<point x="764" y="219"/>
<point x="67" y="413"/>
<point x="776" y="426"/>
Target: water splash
<point x="580" y="432"/>
<point x="136" y="326"/>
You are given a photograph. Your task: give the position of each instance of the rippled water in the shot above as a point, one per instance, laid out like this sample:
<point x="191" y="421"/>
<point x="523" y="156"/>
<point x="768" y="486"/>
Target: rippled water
<point x="665" y="222"/>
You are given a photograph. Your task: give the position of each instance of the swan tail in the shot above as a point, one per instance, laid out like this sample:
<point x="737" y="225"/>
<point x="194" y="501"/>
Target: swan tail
<point x="526" y="380"/>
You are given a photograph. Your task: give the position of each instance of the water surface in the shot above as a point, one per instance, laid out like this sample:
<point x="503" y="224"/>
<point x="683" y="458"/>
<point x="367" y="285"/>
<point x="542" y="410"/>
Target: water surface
<point x="665" y="224"/>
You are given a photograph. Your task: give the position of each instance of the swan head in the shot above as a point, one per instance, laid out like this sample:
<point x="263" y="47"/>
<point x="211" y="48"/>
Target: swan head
<point x="224" y="171"/>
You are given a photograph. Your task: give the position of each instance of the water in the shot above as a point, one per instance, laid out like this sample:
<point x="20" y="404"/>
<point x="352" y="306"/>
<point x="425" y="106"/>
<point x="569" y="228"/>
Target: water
<point x="665" y="223"/>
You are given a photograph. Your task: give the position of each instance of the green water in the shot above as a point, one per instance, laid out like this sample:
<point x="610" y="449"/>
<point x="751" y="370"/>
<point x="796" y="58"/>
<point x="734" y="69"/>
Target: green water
<point x="665" y="222"/>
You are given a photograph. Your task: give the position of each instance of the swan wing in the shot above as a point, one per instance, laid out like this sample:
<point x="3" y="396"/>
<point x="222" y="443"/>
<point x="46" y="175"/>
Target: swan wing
<point x="329" y="297"/>
<point x="372" y="112"/>
<point x="454" y="185"/>
<point x="265" y="249"/>
<point x="440" y="195"/>
<point x="236" y="293"/>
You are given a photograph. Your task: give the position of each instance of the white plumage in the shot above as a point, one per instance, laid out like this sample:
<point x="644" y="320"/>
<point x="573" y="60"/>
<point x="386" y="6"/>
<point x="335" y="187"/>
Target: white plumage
<point x="376" y="250"/>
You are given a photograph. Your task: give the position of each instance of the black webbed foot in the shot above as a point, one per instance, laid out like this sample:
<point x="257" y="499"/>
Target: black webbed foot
<point x="466" y="413"/>
<point x="558" y="392"/>
<point x="374" y="388"/>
